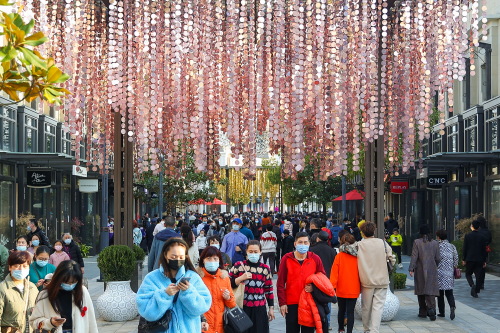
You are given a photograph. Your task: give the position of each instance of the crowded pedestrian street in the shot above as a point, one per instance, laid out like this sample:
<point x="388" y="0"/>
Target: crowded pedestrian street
<point x="249" y="166"/>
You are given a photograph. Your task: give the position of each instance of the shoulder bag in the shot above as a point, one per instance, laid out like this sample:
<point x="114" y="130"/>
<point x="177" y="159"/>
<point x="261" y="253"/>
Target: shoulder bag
<point x="457" y="273"/>
<point x="161" y="325"/>
<point x="390" y="266"/>
<point x="235" y="320"/>
<point x="239" y="293"/>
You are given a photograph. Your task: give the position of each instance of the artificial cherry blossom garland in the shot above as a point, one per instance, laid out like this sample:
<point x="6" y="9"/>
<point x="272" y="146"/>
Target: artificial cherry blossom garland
<point x="324" y="78"/>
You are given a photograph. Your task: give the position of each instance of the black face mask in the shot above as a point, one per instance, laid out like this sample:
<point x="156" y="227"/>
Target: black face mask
<point x="175" y="264"/>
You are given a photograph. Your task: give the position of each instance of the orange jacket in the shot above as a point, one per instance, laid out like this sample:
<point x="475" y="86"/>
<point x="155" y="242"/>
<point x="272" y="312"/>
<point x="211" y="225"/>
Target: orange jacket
<point x="308" y="311"/>
<point x="217" y="284"/>
<point x="346" y="285"/>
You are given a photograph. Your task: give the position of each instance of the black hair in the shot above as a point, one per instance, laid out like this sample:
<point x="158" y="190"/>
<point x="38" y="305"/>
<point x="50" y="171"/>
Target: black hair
<point x="286" y="232"/>
<point x="476" y="224"/>
<point x="442" y="234"/>
<point x="34" y="221"/>
<point x="42" y="249"/>
<point x="269" y="227"/>
<point x="300" y="235"/>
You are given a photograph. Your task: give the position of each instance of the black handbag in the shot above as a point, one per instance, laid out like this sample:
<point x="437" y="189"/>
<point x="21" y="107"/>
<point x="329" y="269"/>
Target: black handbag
<point x="236" y="320"/>
<point x="159" y="326"/>
<point x="390" y="266"/>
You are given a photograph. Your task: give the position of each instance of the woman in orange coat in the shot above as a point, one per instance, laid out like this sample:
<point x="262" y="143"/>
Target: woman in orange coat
<point x="313" y="305"/>
<point x="347" y="285"/>
<point x="216" y="278"/>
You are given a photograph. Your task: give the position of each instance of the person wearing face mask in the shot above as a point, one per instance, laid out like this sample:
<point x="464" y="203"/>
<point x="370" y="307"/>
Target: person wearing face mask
<point x="59" y="255"/>
<point x="216" y="278"/>
<point x="65" y="306"/>
<point x="201" y="241"/>
<point x="35" y="243"/>
<point x="174" y="286"/>
<point x="41" y="267"/>
<point x="33" y="229"/>
<point x="258" y="280"/>
<point x="233" y="238"/>
<point x="214" y="228"/>
<point x="73" y="250"/>
<point x="187" y="235"/>
<point x="22" y="245"/>
<point x="295" y="268"/>
<point x="215" y="242"/>
<point x="17" y="293"/>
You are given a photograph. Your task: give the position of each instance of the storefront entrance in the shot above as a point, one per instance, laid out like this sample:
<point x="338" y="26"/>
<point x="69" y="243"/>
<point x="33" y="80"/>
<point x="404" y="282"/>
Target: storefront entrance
<point x="414" y="215"/>
<point x="457" y="204"/>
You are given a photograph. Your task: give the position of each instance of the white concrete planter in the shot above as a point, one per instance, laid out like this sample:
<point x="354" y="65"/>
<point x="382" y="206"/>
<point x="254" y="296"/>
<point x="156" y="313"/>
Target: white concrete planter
<point x="391" y="306"/>
<point x="117" y="303"/>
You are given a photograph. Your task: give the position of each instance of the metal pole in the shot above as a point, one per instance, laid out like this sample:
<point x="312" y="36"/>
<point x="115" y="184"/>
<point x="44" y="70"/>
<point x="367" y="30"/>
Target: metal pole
<point x="104" y="235"/>
<point x="160" y="196"/>
<point x="344" y="210"/>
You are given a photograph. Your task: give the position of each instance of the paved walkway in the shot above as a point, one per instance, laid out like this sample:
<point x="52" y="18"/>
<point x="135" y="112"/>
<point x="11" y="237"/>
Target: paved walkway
<point x="473" y="315"/>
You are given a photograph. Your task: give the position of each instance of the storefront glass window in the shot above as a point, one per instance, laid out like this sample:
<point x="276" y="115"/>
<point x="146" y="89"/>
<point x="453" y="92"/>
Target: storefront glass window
<point x="66" y="210"/>
<point x="462" y="203"/>
<point x="437" y="212"/>
<point x="494" y="220"/>
<point x="6" y="204"/>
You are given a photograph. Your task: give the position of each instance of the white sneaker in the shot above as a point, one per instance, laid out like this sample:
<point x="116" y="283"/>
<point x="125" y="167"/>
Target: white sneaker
<point x="400" y="265"/>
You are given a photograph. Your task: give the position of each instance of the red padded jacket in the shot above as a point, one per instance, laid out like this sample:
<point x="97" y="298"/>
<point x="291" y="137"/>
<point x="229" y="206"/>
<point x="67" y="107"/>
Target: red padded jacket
<point x="308" y="311"/>
<point x="293" y="275"/>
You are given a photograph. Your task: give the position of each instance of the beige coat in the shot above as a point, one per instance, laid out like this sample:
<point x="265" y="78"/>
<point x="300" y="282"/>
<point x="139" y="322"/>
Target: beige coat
<point x="372" y="262"/>
<point x="12" y="302"/>
<point x="43" y="311"/>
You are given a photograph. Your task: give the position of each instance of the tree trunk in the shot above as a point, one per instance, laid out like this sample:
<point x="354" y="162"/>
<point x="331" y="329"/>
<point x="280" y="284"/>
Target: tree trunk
<point x="324" y="210"/>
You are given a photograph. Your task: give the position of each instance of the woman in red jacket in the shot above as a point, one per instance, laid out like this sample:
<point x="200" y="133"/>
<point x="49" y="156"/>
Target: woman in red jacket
<point x="346" y="285"/>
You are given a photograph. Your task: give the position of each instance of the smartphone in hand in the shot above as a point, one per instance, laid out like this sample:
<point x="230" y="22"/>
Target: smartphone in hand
<point x="184" y="280"/>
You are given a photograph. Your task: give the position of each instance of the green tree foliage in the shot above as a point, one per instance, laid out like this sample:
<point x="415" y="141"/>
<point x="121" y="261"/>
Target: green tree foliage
<point x="177" y="191"/>
<point x="307" y="186"/>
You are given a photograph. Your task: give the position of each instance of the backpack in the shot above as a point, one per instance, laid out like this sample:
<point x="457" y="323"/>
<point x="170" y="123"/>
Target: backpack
<point x="335" y="234"/>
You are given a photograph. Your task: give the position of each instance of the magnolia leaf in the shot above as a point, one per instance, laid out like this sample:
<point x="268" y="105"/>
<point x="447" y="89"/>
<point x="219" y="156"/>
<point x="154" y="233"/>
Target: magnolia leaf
<point x="63" y="78"/>
<point x="12" y="93"/>
<point x="35" y="39"/>
<point x="5" y="3"/>
<point x="33" y="58"/>
<point x="10" y="53"/>
<point x="54" y="91"/>
<point x="54" y="74"/>
<point x="17" y="20"/>
<point x="40" y="56"/>
<point x="48" y="95"/>
<point x="50" y="62"/>
<point x="28" y="27"/>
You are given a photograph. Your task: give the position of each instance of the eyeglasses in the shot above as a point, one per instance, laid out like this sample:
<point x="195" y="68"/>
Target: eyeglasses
<point x="43" y="259"/>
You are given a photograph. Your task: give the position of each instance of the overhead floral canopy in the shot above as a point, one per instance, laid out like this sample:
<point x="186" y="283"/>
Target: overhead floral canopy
<point x="323" y="77"/>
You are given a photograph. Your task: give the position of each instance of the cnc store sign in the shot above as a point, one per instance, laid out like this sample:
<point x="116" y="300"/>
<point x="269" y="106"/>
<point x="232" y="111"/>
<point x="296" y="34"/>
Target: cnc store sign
<point x="436" y="181"/>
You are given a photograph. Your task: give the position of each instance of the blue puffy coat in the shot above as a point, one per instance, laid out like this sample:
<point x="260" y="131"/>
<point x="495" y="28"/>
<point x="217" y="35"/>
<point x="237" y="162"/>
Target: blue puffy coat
<point x="153" y="301"/>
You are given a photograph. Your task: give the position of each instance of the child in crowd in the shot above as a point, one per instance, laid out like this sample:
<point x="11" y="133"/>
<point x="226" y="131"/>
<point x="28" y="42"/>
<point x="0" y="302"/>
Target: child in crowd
<point x="395" y="240"/>
<point x="59" y="256"/>
<point x="201" y="241"/>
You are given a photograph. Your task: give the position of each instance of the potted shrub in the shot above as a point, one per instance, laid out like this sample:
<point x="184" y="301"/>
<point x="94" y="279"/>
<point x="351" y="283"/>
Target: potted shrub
<point x="117" y="264"/>
<point x="139" y="260"/>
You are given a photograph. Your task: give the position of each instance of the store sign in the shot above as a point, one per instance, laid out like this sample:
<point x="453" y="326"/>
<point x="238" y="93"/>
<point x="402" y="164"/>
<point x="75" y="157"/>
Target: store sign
<point x="436" y="181"/>
<point x="79" y="171"/>
<point x="398" y="187"/>
<point x="88" y="185"/>
<point x="39" y="178"/>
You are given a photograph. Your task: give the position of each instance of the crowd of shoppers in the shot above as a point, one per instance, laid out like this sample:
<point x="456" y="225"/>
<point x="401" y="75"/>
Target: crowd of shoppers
<point x="200" y="267"/>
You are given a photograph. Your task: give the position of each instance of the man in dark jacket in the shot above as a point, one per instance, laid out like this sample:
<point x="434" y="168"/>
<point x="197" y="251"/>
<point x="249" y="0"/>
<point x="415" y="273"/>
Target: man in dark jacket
<point x="474" y="256"/>
<point x="36" y="231"/>
<point x="160" y="239"/>
<point x="327" y="255"/>
<point x="391" y="223"/>
<point x="149" y="235"/>
<point x="287" y="245"/>
<point x="279" y="244"/>
<point x="483" y="229"/>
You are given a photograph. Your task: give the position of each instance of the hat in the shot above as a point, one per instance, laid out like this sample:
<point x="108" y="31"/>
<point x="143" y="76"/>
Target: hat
<point x="238" y="220"/>
<point x="424" y="229"/>
<point x="323" y="235"/>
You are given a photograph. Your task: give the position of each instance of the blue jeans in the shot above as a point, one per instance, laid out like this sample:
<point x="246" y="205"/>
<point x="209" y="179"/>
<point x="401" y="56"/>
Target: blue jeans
<point x="330" y="314"/>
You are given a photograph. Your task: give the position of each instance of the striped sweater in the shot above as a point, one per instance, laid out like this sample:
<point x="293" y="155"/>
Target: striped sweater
<point x="257" y="289"/>
<point x="268" y="242"/>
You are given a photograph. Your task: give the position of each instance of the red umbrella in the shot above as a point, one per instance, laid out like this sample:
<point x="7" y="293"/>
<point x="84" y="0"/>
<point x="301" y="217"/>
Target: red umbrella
<point x="353" y="195"/>
<point x="208" y="203"/>
<point x="218" y="202"/>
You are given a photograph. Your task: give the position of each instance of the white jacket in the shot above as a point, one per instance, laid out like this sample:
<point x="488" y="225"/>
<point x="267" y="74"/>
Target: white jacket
<point x="43" y="311"/>
<point x="201" y="241"/>
<point x="194" y="254"/>
<point x="268" y="242"/>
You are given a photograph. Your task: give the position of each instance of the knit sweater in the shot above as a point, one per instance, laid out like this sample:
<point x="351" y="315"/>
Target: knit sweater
<point x="257" y="289"/>
<point x="268" y="242"/>
<point x="56" y="258"/>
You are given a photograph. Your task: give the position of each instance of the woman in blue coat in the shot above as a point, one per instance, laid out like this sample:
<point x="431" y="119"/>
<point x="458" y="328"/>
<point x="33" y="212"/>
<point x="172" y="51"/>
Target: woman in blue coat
<point x="177" y="286"/>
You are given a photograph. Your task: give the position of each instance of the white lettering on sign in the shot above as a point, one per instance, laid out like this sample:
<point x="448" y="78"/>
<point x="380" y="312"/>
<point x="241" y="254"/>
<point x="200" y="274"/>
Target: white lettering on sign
<point x="437" y="181"/>
<point x="37" y="178"/>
